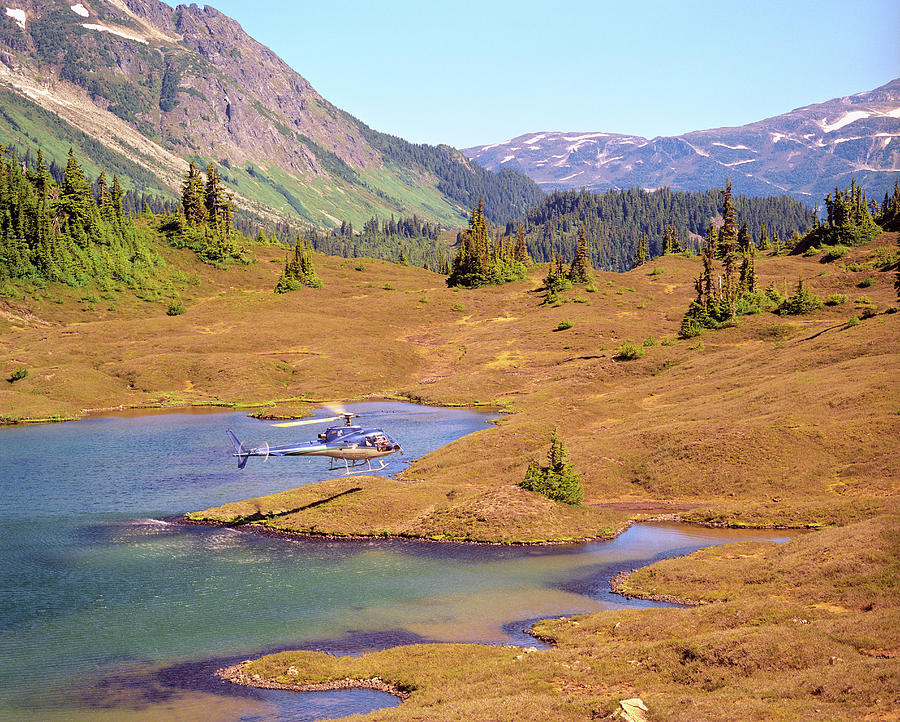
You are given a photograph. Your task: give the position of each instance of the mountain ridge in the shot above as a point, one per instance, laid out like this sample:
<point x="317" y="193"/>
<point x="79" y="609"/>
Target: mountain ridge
<point x="804" y="152"/>
<point x="163" y="86"/>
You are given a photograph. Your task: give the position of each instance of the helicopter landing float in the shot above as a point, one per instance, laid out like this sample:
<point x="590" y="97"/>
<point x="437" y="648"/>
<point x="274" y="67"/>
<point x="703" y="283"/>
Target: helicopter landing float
<point x="352" y="444"/>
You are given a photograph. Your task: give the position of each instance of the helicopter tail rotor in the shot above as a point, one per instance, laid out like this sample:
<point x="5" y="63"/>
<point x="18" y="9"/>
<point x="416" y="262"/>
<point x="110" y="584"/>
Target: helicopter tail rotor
<point x="239" y="450"/>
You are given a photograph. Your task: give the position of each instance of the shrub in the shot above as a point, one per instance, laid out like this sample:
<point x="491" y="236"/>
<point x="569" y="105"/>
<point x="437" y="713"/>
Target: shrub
<point x="854" y="321"/>
<point x="558" y="480"/>
<point x="667" y="341"/>
<point x="749" y="303"/>
<point x="17" y="375"/>
<point x="458" y="307"/>
<point x="649" y="341"/>
<point x="590" y="289"/>
<point x="579" y="299"/>
<point x="866" y="282"/>
<point x="834" y="253"/>
<point x="773" y="295"/>
<point x="359" y="267"/>
<point x="803" y="301"/>
<point x="564" y="325"/>
<point x="656" y="272"/>
<point x="630" y="351"/>
<point x="388" y="286"/>
<point x="550" y="298"/>
<point x="836" y="299"/>
<point x="176" y="308"/>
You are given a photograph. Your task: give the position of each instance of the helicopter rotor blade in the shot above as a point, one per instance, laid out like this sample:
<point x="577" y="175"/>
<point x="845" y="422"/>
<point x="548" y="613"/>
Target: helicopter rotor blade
<point x="304" y="422"/>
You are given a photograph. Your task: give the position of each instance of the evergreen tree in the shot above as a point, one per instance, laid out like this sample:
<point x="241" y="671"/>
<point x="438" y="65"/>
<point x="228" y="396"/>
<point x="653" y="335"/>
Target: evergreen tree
<point x="298" y="271"/>
<point x="558" y="480"/>
<point x="479" y="261"/>
<point x="848" y="222"/>
<point x="193" y="197"/>
<point x="580" y="270"/>
<point x="521" y="253"/>
<point x="640" y="257"/>
<point x="728" y="244"/>
<point x="671" y="241"/>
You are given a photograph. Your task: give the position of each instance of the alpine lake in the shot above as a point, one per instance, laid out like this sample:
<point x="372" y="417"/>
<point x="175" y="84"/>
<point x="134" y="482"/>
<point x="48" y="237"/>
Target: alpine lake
<point x="112" y="609"/>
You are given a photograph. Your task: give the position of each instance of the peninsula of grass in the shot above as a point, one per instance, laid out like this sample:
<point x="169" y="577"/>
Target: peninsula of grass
<point x="373" y="506"/>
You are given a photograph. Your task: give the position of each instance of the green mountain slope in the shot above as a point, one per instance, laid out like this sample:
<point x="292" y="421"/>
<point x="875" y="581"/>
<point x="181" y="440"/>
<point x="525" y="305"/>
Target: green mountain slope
<point x="156" y="87"/>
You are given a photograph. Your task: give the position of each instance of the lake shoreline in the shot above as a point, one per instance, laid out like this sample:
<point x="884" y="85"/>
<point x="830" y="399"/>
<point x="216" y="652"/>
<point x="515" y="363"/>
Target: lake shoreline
<point x="235" y="674"/>
<point x="261" y="530"/>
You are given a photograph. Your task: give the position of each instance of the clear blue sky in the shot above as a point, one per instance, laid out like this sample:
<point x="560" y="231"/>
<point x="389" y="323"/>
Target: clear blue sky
<point x="467" y="73"/>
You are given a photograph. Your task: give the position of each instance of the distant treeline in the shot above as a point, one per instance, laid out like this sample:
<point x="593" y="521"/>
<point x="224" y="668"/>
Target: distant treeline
<point x="407" y="240"/>
<point x="615" y="220"/>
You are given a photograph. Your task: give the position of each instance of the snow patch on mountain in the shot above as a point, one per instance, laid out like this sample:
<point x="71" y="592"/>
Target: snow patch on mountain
<point x="113" y="31"/>
<point x="492" y="146"/>
<point x="845" y="119"/>
<point x="584" y="136"/>
<point x="18" y="15"/>
<point x="80" y="9"/>
<point x="697" y="150"/>
<point x="535" y="139"/>
<point x="733" y="147"/>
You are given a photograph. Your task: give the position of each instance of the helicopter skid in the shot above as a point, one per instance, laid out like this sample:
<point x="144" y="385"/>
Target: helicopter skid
<point x="357" y="462"/>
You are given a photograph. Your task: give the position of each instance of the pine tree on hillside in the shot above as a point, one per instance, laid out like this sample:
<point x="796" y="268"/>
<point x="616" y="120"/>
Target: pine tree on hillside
<point x="219" y="203"/>
<point x="640" y="255"/>
<point x="479" y="261"/>
<point x="671" y="241"/>
<point x="193" y="197"/>
<point x="521" y="253"/>
<point x="764" y="243"/>
<point x="728" y="245"/>
<point x="298" y="271"/>
<point x="580" y="270"/>
<point x="558" y="480"/>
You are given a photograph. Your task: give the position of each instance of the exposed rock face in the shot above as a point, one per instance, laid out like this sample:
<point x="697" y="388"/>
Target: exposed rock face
<point x="805" y="152"/>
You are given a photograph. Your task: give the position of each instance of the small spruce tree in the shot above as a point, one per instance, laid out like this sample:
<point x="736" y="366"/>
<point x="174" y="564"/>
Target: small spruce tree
<point x="558" y="480"/>
<point x="580" y="270"/>
<point x="640" y="255"/>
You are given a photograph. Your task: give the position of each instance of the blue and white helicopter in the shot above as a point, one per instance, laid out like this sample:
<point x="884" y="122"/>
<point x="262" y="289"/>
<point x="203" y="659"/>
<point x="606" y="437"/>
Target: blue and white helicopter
<point x="352" y="444"/>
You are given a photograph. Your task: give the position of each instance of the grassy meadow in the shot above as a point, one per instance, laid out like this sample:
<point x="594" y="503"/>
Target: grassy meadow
<point x="788" y="421"/>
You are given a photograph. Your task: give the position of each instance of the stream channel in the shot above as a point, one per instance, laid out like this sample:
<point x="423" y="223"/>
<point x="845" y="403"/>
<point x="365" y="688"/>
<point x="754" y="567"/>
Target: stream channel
<point x="109" y="610"/>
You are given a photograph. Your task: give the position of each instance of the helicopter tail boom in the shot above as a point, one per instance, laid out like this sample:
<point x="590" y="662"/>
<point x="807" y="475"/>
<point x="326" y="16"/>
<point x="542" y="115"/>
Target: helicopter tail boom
<point x="239" y="450"/>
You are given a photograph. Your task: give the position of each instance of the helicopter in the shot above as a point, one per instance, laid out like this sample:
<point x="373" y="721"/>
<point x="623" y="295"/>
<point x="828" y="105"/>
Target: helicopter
<point x="352" y="444"/>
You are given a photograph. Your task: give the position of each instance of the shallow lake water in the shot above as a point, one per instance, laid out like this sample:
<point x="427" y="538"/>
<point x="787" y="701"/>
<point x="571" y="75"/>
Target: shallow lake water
<point x="111" y="610"/>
